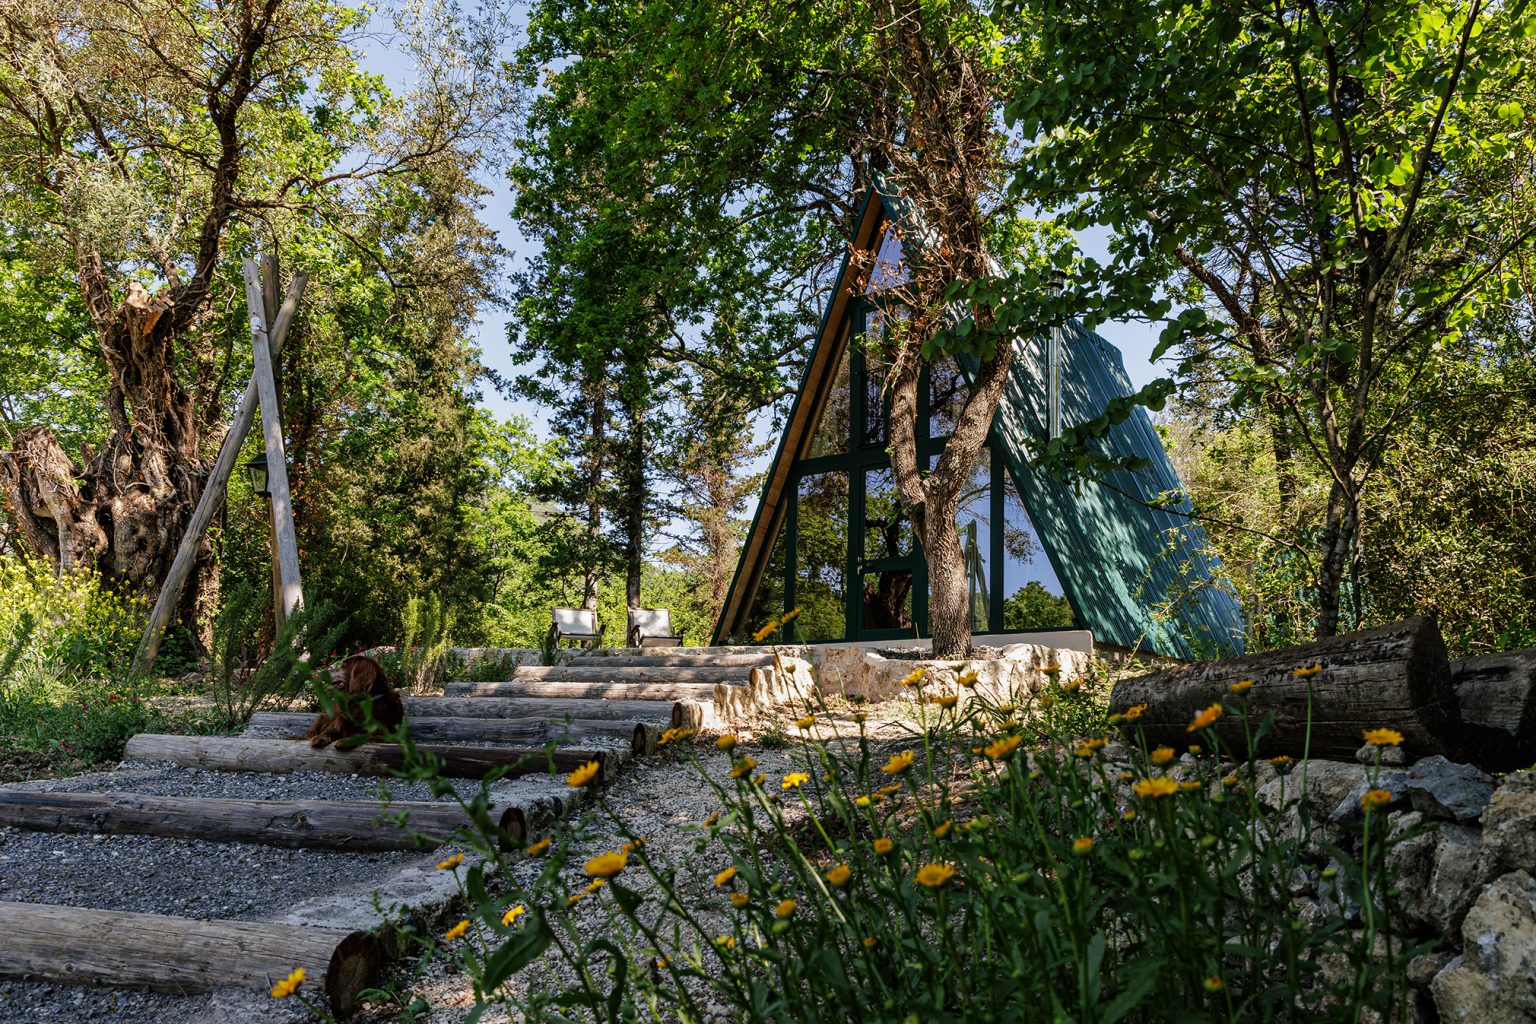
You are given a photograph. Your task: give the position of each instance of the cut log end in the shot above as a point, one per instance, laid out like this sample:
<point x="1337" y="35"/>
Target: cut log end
<point x="353" y="966"/>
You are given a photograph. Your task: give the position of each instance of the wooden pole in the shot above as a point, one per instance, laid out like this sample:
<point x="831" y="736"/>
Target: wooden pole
<point x="555" y="708"/>
<point x="294" y="824"/>
<point x="272" y="432"/>
<point x="246" y="754"/>
<point x="526" y="731"/>
<point x="269" y="285"/>
<point x="635" y="674"/>
<point x="213" y="494"/>
<point x="175" y="954"/>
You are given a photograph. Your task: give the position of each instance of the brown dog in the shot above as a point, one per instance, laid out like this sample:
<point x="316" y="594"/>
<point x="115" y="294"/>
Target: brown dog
<point x="368" y="706"/>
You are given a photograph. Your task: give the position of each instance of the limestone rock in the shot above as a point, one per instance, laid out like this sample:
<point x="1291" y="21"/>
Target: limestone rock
<point x="1494" y="979"/>
<point x="1436" y="873"/>
<point x="1444" y="789"/>
<point x="1392" y="757"/>
<point x="1509" y="823"/>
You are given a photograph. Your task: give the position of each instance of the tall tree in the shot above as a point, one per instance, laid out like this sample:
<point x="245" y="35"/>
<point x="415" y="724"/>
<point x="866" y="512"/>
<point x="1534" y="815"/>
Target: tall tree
<point x="139" y="140"/>
<point x="1334" y="191"/>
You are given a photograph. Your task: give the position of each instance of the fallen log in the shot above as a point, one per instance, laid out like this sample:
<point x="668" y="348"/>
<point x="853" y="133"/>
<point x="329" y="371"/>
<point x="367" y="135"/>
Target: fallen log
<point x="174" y="954"/>
<point x="1497" y="694"/>
<point x="555" y="708"/>
<point x="632" y="674"/>
<point x="1396" y="676"/>
<point x="701" y="659"/>
<point x="246" y="754"/>
<point x="591" y="691"/>
<point x="294" y="824"/>
<point x="535" y="731"/>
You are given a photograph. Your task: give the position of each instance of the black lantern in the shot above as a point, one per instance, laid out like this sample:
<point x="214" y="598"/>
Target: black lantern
<point x="257" y="470"/>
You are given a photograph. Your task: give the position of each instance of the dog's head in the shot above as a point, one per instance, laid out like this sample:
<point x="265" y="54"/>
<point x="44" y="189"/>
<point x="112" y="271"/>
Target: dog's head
<point x="359" y="674"/>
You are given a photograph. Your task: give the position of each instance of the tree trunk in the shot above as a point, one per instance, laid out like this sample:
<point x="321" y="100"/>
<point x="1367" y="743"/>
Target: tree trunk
<point x="634" y="502"/>
<point x="949" y="601"/>
<point x="1338" y="543"/>
<point x="593" y="573"/>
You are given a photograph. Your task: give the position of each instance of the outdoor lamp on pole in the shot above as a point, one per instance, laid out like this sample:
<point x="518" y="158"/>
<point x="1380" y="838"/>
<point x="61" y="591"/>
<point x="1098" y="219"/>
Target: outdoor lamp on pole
<point x="257" y="470"/>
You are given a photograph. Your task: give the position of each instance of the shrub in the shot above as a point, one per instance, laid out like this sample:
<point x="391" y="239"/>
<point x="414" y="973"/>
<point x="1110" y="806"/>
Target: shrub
<point x="995" y="868"/>
<point x="298" y="663"/>
<point x="73" y="621"/>
<point x="424" y="628"/>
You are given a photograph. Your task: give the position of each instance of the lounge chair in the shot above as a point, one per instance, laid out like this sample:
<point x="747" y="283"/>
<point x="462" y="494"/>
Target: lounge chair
<point x="652" y="627"/>
<point x="576" y="624"/>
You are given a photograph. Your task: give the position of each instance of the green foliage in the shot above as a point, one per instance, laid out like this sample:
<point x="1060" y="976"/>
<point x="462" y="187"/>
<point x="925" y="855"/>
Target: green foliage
<point x="298" y="663"/>
<point x="72" y="622"/>
<point x="424" y="628"/>
<point x="964" y="875"/>
<point x="1034" y="607"/>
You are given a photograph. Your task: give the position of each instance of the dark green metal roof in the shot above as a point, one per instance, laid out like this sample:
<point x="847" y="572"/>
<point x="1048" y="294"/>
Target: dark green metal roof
<point x="1136" y="576"/>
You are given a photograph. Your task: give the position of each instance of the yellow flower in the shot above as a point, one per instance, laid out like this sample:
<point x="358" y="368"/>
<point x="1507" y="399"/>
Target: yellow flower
<point x="1383" y="737"/>
<point x="1006" y="709"/>
<point x="1053" y="667"/>
<point x="1204" y="719"/>
<point x="862" y="801"/>
<point x="1131" y="714"/>
<point x="1128" y="816"/>
<point x="784" y="909"/>
<point x="1082" y="845"/>
<point x="739" y="899"/>
<point x="1048" y="700"/>
<point x="966" y="679"/>
<point x="743" y="767"/>
<point x="869" y="942"/>
<point x="512" y="915"/>
<point x="1281" y="761"/>
<point x="710" y="821"/>
<point x="634" y="844"/>
<point x="1126" y="776"/>
<point x="806" y="722"/>
<point x="1376" y="799"/>
<point x="884" y="845"/>
<point x="1191" y="784"/>
<point x="1151" y="789"/>
<point x="458" y="930"/>
<point x="898" y="763"/>
<point x="934" y="876"/>
<point x="794" y="780"/>
<point x="1241" y="686"/>
<point x="766" y="632"/>
<point x="540" y="846"/>
<point x="1229" y="780"/>
<point x="943" y="830"/>
<point x="727" y="876"/>
<point x="451" y="862"/>
<point x="1309" y="670"/>
<point x="675" y="734"/>
<point x="606" y="865"/>
<point x="574" y="898"/>
<point x="1001" y="750"/>
<point x="1214" y="983"/>
<point x="1072" y="685"/>
<point x="1162" y="755"/>
<point x="583" y="775"/>
<point x="946" y="700"/>
<point x="593" y="886"/>
<point x="840" y="874"/>
<point x="888" y="790"/>
<point x="915" y="677"/>
<point x="760" y="779"/>
<point x="1088" y="748"/>
<point x="726" y="742"/>
<point x="725" y="941"/>
<point x="286" y="987"/>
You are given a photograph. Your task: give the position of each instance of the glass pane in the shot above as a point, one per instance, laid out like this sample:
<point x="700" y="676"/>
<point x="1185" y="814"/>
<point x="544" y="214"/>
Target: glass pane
<point x="947" y="392"/>
<point x="831" y="437"/>
<point x="974" y="521"/>
<point x="821" y="557"/>
<point x="890" y="267"/>
<point x="1032" y="596"/>
<point x="887" y="533"/>
<point x="888" y="599"/>
<point x="872" y="390"/>
<point x="768" y="602"/>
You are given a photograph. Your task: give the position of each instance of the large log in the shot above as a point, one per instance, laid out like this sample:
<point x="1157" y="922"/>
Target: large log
<point x="632" y="674"/>
<point x="1497" y="695"/>
<point x="532" y="731"/>
<point x="680" y="658"/>
<point x="295" y="824"/>
<point x="174" y="954"/>
<point x="1395" y="676"/>
<point x="598" y="690"/>
<point x="556" y="708"/>
<point x="246" y="754"/>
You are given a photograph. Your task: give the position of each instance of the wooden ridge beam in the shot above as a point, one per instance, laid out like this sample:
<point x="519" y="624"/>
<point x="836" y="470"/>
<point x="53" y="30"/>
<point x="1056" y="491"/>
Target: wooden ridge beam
<point x="598" y="690"/>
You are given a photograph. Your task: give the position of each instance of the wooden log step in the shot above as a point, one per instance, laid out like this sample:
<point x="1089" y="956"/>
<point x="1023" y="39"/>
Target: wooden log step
<point x="597" y="690"/>
<point x="295" y="824"/>
<point x="555" y="708"/>
<point x="1395" y="676"/>
<point x="680" y="658"/>
<point x="530" y="731"/>
<point x="697" y="715"/>
<point x="247" y="754"/>
<point x="631" y="674"/>
<point x="175" y="954"/>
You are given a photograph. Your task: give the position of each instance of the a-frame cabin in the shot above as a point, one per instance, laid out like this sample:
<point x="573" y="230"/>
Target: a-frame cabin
<point x="1043" y="553"/>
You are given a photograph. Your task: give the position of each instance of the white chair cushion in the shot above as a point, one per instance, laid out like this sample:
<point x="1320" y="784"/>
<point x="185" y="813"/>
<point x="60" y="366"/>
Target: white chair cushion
<point x="576" y="621"/>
